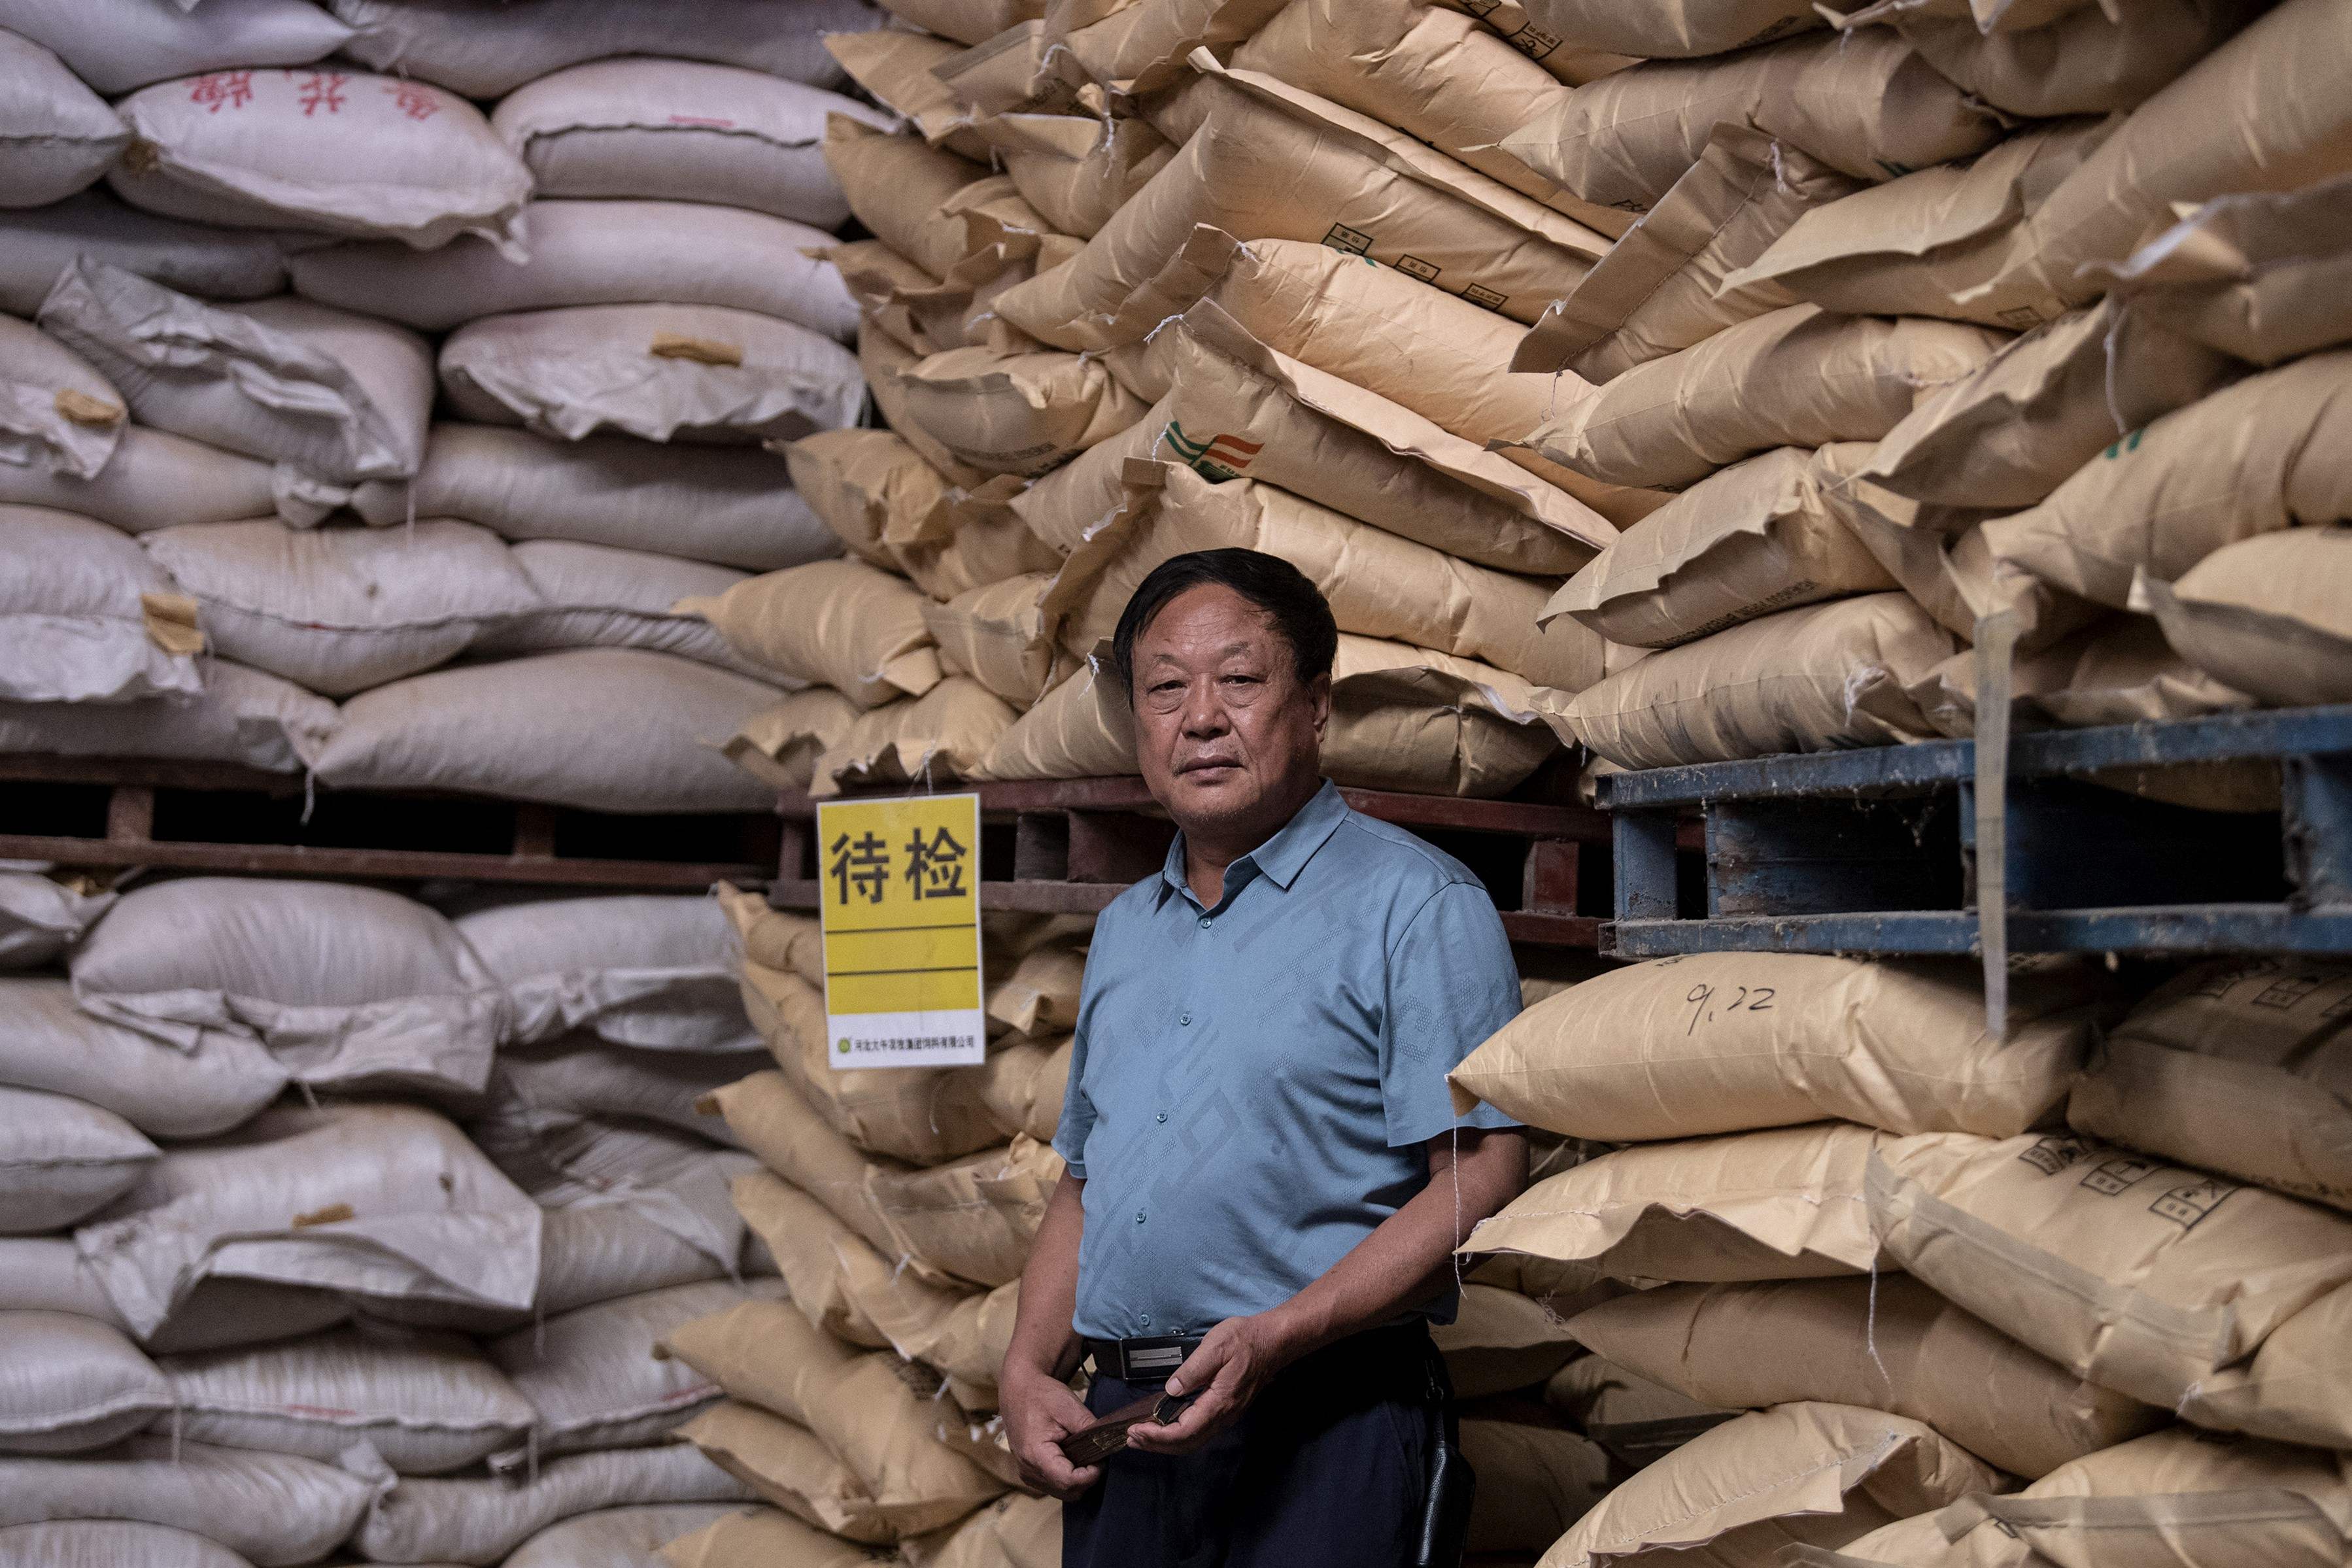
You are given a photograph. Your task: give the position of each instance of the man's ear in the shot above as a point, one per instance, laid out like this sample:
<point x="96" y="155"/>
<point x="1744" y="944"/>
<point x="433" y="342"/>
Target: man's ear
<point x="1318" y="692"/>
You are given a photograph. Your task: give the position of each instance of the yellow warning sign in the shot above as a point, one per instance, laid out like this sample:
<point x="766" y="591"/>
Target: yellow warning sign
<point x="899" y="886"/>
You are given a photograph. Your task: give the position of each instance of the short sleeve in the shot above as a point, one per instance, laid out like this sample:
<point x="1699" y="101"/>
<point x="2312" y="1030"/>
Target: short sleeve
<point x="1451" y="982"/>
<point x="1078" y="1111"/>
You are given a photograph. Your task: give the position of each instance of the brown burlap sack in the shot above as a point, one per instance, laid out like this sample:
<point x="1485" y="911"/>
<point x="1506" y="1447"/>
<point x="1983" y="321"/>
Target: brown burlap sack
<point x="1926" y="244"/>
<point x="2082" y="63"/>
<point x="871" y="1410"/>
<point x="1889" y="1343"/>
<point x="973" y="1218"/>
<point x="779" y="745"/>
<point x="1534" y="1481"/>
<point x="1025" y="1084"/>
<point x="1708" y="1043"/>
<point x="1382" y="330"/>
<point x="1272" y="162"/>
<point x="1675" y="29"/>
<point x="1661" y="287"/>
<point x="2149" y="1278"/>
<point x="1378" y="584"/>
<point x="2260" y="113"/>
<point x="759" y="1538"/>
<point x="802" y="1234"/>
<point x="1500" y="1341"/>
<point x="2004" y="436"/>
<point x="1077" y="170"/>
<point x="1796" y="377"/>
<point x="1768" y="533"/>
<point x="1781" y="1204"/>
<point x="1402" y="717"/>
<point x="1016" y="414"/>
<point x="934" y="739"/>
<point x="2261" y="277"/>
<point x="896" y="67"/>
<point x="1866" y="104"/>
<point x="2242" y="1065"/>
<point x="1809" y="1474"/>
<point x="840" y="623"/>
<point x="2267" y="453"/>
<point x="921" y="1115"/>
<point x="998" y="635"/>
<point x="2268" y="616"/>
<point x="1437" y="73"/>
<point x="1818" y="679"/>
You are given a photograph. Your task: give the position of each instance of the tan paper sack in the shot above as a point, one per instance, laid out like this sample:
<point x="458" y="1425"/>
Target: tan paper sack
<point x="1889" y="1344"/>
<point x="1016" y="414"/>
<point x="1708" y="1043"/>
<point x="2263" y="277"/>
<point x="998" y="635"/>
<point x="2269" y="615"/>
<point x="839" y="621"/>
<point x="753" y="1538"/>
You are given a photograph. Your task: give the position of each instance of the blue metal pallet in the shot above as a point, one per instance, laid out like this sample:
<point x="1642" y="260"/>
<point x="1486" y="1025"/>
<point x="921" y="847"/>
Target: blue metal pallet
<point x="1876" y="851"/>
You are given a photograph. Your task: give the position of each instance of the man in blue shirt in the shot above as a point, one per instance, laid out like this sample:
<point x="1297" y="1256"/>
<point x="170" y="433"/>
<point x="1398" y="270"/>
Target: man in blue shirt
<point x="1267" y="1180"/>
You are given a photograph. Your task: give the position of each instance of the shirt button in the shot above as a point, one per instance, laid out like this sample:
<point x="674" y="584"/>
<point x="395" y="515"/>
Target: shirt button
<point x="1146" y="1320"/>
<point x="1138" y="1216"/>
<point x="1206" y="923"/>
<point x="1185" y="1017"/>
<point x="1162" y="1117"/>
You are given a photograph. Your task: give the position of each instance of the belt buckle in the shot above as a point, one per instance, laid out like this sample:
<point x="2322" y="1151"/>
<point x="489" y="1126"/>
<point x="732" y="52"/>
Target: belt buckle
<point x="1150" y="1358"/>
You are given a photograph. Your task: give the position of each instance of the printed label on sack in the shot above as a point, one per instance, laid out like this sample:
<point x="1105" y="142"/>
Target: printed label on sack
<point x="898" y="892"/>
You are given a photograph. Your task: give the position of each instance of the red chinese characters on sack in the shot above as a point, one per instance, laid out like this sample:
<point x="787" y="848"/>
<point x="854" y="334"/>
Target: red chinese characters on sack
<point x="322" y="89"/>
<point x="415" y="100"/>
<point x="219" y="90"/>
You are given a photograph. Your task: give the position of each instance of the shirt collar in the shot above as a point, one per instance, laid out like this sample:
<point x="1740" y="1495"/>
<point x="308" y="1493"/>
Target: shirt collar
<point x="1281" y="858"/>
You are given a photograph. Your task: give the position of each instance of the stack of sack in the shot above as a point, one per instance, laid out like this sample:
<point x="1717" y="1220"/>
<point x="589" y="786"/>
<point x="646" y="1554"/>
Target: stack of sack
<point x="382" y="377"/>
<point x="332" y="1222"/>
<point x="1950" y="311"/>
<point x="1123" y="300"/>
<point x="1892" y="1290"/>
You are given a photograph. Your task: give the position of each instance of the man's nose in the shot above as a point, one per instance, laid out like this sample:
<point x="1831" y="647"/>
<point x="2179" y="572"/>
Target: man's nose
<point x="1203" y="713"/>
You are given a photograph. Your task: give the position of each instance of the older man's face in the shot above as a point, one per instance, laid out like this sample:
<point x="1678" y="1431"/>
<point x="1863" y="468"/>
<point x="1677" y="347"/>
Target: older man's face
<point x="1225" y="730"/>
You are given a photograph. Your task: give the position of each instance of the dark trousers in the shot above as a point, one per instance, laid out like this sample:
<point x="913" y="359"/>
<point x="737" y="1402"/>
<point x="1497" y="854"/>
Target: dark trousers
<point x="1327" y="1466"/>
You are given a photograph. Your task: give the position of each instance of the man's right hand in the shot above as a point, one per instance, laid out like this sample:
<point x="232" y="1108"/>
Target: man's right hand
<point x="1039" y="1411"/>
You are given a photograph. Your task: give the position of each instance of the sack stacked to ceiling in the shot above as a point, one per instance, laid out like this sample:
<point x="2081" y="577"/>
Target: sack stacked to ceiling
<point x="331" y="1221"/>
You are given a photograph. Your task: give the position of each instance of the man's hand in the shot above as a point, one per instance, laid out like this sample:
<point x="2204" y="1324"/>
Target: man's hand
<point x="1039" y="1411"/>
<point x="1236" y="1359"/>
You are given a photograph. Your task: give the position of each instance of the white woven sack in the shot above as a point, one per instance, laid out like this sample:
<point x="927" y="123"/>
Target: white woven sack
<point x="111" y="1544"/>
<point x="617" y="1537"/>
<point x="728" y="508"/>
<point x="47" y="1274"/>
<point x="70" y="1384"/>
<point x="154" y="480"/>
<point x="242" y="716"/>
<point x="576" y="1075"/>
<point x="41" y="916"/>
<point x="425" y="1403"/>
<point x="118" y="45"/>
<point x="85" y="616"/>
<point x="593" y="595"/>
<point x="680" y="131"/>
<point x="377" y="1201"/>
<point x="642" y="970"/>
<point x="58" y="414"/>
<point x="481" y="1522"/>
<point x="488" y="51"/>
<point x="38" y="247"/>
<point x="336" y="152"/>
<point x="274" y="1510"/>
<point x="541" y="729"/>
<point x="662" y="372"/>
<point x="346" y="985"/>
<point x="62" y="1158"/>
<point x="594" y="253"/>
<point x="331" y="398"/>
<point x="49" y="1044"/>
<point x="338" y="610"/>
<point x="677" y="1228"/>
<point x="56" y="135"/>
<point x="592" y="1376"/>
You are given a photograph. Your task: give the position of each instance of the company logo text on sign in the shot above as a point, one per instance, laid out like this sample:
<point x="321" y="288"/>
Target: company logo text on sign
<point x="899" y="884"/>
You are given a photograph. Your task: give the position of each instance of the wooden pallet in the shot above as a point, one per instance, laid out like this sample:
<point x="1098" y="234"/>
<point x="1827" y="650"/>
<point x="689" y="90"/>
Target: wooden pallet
<point x="1876" y="851"/>
<point x="110" y="813"/>
<point x="1071" y="846"/>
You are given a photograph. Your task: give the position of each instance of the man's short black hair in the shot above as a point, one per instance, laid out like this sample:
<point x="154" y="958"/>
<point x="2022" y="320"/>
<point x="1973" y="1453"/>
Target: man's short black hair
<point x="1272" y="584"/>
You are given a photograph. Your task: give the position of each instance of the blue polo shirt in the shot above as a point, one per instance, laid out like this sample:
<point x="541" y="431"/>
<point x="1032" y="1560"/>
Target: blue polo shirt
<point x="1252" y="1085"/>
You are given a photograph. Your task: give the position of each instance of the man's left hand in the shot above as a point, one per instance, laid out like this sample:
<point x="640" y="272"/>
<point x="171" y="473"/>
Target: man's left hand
<point x="1236" y="1359"/>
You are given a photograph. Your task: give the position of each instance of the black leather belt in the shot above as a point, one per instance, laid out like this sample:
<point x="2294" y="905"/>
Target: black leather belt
<point x="1142" y="1360"/>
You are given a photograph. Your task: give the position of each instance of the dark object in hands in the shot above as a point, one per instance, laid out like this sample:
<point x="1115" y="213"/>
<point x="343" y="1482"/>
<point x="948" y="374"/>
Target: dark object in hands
<point x="1093" y="1445"/>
